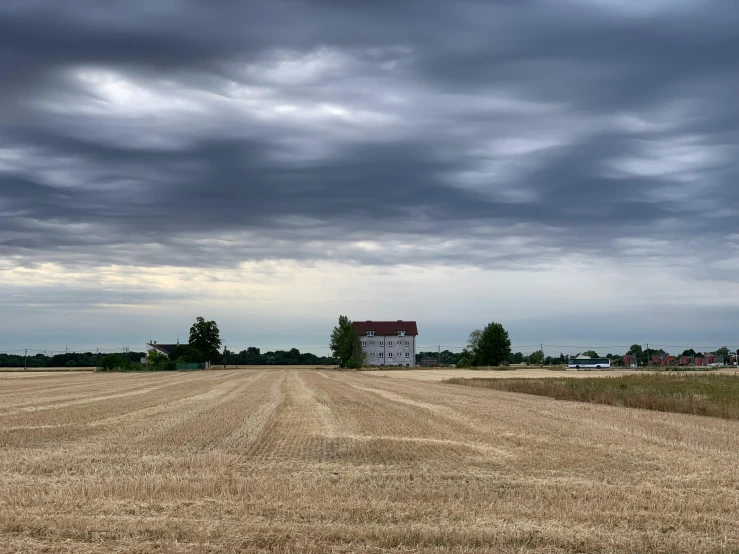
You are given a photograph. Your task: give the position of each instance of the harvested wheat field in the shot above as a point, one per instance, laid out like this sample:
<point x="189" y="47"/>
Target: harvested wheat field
<point x="285" y="460"/>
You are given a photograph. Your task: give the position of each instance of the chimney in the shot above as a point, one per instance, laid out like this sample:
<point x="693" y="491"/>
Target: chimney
<point x="178" y="342"/>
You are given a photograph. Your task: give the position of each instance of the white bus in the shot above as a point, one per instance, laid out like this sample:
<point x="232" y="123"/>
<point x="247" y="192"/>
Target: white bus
<point x="589" y="363"/>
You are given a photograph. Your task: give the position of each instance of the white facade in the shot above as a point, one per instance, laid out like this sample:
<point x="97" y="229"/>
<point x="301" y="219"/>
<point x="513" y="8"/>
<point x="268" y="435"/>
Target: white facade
<point x="397" y="350"/>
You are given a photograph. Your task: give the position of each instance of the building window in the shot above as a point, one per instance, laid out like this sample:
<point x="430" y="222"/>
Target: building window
<point x="401" y="333"/>
<point x="370" y="333"/>
<point x="389" y="354"/>
<point x="381" y="343"/>
<point x="407" y="355"/>
<point x="389" y="343"/>
<point x="382" y="355"/>
<point x="364" y="343"/>
<point x="407" y="343"/>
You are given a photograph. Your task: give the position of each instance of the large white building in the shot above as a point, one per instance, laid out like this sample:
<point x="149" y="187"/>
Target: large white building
<point x="388" y="342"/>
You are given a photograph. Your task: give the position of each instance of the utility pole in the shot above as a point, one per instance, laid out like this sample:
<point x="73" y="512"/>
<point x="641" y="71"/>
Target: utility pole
<point x="126" y="347"/>
<point x="225" y="349"/>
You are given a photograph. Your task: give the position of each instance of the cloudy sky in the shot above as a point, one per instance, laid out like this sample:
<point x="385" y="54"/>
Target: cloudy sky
<point x="568" y="168"/>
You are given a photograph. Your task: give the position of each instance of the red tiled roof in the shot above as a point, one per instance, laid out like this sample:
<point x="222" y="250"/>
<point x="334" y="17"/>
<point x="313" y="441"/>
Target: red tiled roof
<point x="386" y="328"/>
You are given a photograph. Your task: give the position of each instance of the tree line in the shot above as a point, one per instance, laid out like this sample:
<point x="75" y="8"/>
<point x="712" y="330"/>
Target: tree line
<point x="254" y="356"/>
<point x="68" y="359"/>
<point x="446" y="357"/>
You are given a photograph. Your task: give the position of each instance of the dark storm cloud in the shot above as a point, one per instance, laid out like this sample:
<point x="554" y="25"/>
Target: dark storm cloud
<point x="476" y="132"/>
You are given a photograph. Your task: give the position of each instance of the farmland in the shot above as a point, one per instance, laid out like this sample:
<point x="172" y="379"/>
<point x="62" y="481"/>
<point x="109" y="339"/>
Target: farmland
<point x="710" y="394"/>
<point x="303" y="460"/>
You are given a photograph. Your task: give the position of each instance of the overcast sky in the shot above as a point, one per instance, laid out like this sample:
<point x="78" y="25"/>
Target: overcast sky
<point x="568" y="168"/>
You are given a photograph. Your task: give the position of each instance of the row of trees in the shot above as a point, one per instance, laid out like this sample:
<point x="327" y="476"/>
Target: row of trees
<point x="446" y="357"/>
<point x="254" y="356"/>
<point x="68" y="359"/>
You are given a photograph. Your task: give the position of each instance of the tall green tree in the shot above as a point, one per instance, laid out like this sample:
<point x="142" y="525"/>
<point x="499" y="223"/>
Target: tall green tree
<point x="473" y="340"/>
<point x="186" y="353"/>
<point x="346" y="345"/>
<point x="591" y="354"/>
<point x="206" y="338"/>
<point x="537" y="357"/>
<point x="494" y="346"/>
<point x="723" y="351"/>
<point x="636" y="350"/>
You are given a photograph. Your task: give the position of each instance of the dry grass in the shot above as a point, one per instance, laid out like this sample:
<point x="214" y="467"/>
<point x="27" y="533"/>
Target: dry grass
<point x="286" y="460"/>
<point x="685" y="393"/>
<point x="442" y="374"/>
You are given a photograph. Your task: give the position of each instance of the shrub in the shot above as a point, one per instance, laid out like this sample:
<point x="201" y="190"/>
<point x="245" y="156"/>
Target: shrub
<point x="110" y="362"/>
<point x="464" y="362"/>
<point x="159" y="362"/>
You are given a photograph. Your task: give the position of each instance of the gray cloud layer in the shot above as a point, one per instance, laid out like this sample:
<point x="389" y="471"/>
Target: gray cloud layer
<point x="471" y="132"/>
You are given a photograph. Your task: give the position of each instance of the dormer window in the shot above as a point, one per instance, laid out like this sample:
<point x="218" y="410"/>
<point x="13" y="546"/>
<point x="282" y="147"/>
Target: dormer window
<point x="370" y="333"/>
<point x="401" y="333"/>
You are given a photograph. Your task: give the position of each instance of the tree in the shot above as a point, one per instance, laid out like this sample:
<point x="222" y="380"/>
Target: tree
<point x="723" y="351"/>
<point x="473" y="340"/>
<point x="494" y="346"/>
<point x="537" y="357"/>
<point x="636" y="350"/>
<point x="205" y="337"/>
<point x="110" y="362"/>
<point x="690" y="352"/>
<point x="591" y="354"/>
<point x="159" y="362"/>
<point x="187" y="354"/>
<point x="346" y="345"/>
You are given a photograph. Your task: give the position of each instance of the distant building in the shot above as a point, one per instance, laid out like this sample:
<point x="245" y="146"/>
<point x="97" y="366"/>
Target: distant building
<point x="630" y="360"/>
<point x="388" y="342"/>
<point x="164" y="349"/>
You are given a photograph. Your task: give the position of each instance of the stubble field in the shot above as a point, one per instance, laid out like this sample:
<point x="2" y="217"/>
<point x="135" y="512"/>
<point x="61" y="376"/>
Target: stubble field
<point x="288" y="460"/>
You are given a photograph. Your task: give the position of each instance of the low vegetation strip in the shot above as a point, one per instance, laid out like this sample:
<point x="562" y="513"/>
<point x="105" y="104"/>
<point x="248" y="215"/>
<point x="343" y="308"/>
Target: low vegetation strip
<point x="708" y="395"/>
